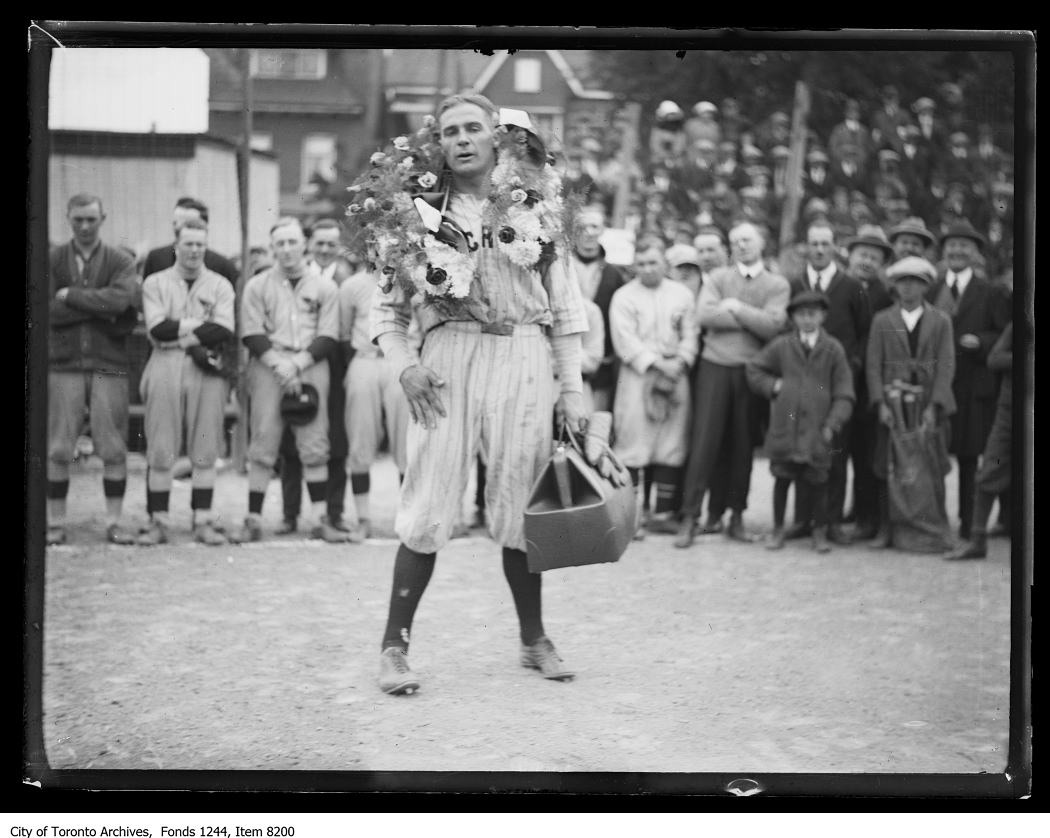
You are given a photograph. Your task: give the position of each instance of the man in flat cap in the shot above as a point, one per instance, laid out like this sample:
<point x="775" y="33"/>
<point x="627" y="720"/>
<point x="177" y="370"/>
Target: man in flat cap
<point x="931" y="129"/>
<point x="910" y="343"/>
<point x="703" y="124"/>
<point x="979" y="311"/>
<point x="851" y="132"/>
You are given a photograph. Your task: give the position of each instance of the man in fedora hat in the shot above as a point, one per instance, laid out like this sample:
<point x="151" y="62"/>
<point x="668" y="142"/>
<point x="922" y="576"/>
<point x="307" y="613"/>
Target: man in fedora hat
<point x="868" y="252"/>
<point x="979" y="311"/>
<point x="847" y="319"/>
<point x="850" y="132"/>
<point x="910" y="238"/>
<point x="931" y="129"/>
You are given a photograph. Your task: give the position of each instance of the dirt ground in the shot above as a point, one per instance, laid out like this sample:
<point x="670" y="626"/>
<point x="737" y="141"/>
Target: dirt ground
<point x="723" y="657"/>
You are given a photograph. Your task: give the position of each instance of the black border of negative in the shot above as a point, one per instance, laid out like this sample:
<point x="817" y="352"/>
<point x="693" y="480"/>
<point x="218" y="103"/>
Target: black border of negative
<point x="80" y="790"/>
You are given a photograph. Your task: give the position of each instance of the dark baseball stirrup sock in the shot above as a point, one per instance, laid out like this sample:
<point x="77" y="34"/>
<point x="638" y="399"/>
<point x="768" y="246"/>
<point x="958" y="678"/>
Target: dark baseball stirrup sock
<point x="57" y="489"/>
<point x="780" y="500"/>
<point x="526" y="589"/>
<point x="360" y="483"/>
<point x="412" y="572"/>
<point x="666" y="480"/>
<point x="255" y="502"/>
<point x="818" y="496"/>
<point x="157" y="501"/>
<point x="317" y="491"/>
<point x="114" y="488"/>
<point x="649" y="480"/>
<point x="201" y="498"/>
<point x="982" y="510"/>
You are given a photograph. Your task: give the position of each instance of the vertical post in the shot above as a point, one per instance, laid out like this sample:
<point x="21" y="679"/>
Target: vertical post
<point x="239" y="442"/>
<point x="374" y="121"/>
<point x="628" y="144"/>
<point x="793" y="199"/>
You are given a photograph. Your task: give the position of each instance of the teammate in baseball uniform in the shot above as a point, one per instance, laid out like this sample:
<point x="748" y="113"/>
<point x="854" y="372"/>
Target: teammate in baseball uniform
<point x="485" y="380"/>
<point x="375" y="402"/>
<point x="654" y="333"/>
<point x="189" y="315"/>
<point x="290" y="324"/>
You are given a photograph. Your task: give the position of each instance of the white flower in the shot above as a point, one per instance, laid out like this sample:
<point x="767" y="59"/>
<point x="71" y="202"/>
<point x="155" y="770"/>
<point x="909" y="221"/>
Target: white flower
<point x="429" y="121"/>
<point x="427" y="180"/>
<point x="406" y="164"/>
<point x="518" y="195"/>
<point x="401" y="143"/>
<point x="377" y="159"/>
<point x="522" y="252"/>
<point x="369" y="204"/>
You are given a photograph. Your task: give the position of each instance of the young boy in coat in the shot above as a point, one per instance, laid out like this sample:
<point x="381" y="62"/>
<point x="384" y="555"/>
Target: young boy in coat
<point x="807" y="377"/>
<point x="911" y="341"/>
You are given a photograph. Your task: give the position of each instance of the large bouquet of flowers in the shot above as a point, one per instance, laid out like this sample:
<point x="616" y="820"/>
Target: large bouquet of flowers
<point x="386" y="226"/>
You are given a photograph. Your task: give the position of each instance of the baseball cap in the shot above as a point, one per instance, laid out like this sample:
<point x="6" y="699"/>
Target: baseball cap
<point x="912" y="266"/>
<point x="682" y="254"/>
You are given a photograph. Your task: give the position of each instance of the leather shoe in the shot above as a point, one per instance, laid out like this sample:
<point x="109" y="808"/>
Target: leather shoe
<point x="686" y="533"/>
<point x="395" y="676"/>
<point x="56" y="535"/>
<point x="866" y="531"/>
<point x="800" y="529"/>
<point x="206" y="533"/>
<point x="1000" y="530"/>
<point x="837" y="535"/>
<point x="976" y="549"/>
<point x="250" y="531"/>
<point x="116" y="534"/>
<point x="153" y="534"/>
<point x="712" y="526"/>
<point x="326" y="532"/>
<point x="286" y="527"/>
<point x="883" y="539"/>
<point x="542" y="655"/>
<point x="736" y="531"/>
<point x="776" y="540"/>
<point x="820" y="540"/>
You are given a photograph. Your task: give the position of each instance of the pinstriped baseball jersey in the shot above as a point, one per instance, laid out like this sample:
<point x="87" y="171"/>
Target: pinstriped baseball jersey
<point x="166" y="295"/>
<point x="510" y="293"/>
<point x="290" y="317"/>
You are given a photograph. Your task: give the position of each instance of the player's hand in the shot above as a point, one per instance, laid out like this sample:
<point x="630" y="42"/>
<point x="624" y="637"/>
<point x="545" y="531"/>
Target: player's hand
<point x="886" y="415"/>
<point x="671" y="367"/>
<point x="61" y="294"/>
<point x="730" y="304"/>
<point x="292" y="387"/>
<point x="970" y="341"/>
<point x="421" y="386"/>
<point x="929" y="416"/>
<point x="570" y="412"/>
<point x="828" y="434"/>
<point x="285" y="371"/>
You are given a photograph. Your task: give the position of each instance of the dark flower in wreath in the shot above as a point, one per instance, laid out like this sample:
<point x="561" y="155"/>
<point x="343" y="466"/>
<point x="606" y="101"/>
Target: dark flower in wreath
<point x="354" y="209"/>
<point x="436" y="276"/>
<point x="389" y="270"/>
<point x="532" y="196"/>
<point x="506" y="234"/>
<point x="387" y="205"/>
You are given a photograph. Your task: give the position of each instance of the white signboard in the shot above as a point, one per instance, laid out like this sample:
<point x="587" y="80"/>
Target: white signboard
<point x="132" y="90"/>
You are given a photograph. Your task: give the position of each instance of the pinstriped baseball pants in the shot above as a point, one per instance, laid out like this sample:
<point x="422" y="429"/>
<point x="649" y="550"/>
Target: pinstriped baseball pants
<point x="499" y="396"/>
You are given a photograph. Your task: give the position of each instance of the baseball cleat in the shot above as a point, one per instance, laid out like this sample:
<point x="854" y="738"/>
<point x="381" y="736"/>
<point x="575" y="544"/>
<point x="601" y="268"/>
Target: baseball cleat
<point x="395" y="676"/>
<point x="542" y="655"/>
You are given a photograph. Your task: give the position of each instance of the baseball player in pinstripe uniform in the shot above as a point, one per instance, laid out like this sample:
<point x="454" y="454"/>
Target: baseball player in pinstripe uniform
<point x="290" y="324"/>
<point x="488" y="382"/>
<point x="189" y="314"/>
<point x="375" y="401"/>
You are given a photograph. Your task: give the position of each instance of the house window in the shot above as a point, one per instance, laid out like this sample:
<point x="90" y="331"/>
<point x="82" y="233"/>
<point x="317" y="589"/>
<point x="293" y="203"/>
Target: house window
<point x="319" y="158"/>
<point x="527" y="75"/>
<point x="289" y="63"/>
<point x="262" y="141"/>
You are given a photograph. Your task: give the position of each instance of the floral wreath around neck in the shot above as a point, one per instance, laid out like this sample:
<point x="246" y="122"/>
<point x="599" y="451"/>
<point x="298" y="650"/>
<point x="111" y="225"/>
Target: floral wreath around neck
<point x="396" y="217"/>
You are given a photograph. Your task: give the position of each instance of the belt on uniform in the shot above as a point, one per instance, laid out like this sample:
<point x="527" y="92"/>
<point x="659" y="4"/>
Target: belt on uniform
<point x="503" y="329"/>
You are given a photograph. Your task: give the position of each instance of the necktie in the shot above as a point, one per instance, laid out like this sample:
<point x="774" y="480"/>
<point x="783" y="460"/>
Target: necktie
<point x="953" y="286"/>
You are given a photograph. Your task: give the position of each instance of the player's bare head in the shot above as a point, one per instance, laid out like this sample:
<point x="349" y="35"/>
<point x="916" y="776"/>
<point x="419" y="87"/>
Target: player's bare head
<point x="85" y="216"/>
<point x="747" y="242"/>
<point x="324" y="242"/>
<point x="288" y="243"/>
<point x="590" y="224"/>
<point x="710" y="248"/>
<point x="466" y="132"/>
<point x="650" y="262"/>
<point x="820" y="244"/>
<point x="191" y="241"/>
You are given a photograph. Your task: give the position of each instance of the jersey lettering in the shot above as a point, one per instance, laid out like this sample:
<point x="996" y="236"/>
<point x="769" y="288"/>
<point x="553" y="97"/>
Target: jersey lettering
<point x="486" y="238"/>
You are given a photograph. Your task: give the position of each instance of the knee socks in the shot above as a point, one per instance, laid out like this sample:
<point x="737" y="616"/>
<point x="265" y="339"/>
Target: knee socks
<point x="526" y="588"/>
<point x="412" y="572"/>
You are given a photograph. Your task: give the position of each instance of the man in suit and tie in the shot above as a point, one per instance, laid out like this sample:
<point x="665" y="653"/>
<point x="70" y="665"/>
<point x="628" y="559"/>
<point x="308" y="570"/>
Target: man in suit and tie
<point x="741" y="308"/>
<point x="979" y="311"/>
<point x="848" y="319"/>
<point x="850" y="132"/>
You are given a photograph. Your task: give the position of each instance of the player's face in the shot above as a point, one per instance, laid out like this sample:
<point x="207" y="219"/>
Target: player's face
<point x="288" y="246"/>
<point x="189" y="248"/>
<point x="746" y="244"/>
<point x="86" y="221"/>
<point x="908" y="244"/>
<point x="820" y="247"/>
<point x="686" y="273"/>
<point x="865" y="262"/>
<point x="649" y="267"/>
<point x="807" y="318"/>
<point x="589" y="228"/>
<point x="959" y="253"/>
<point x="467" y="140"/>
<point x="710" y="251"/>
<point x="324" y="246"/>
